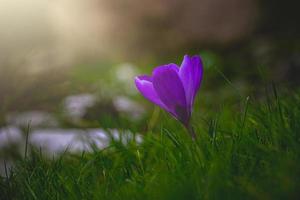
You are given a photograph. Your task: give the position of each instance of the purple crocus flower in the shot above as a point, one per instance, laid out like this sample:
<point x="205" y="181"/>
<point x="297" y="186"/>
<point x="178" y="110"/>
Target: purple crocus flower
<point x="174" y="88"/>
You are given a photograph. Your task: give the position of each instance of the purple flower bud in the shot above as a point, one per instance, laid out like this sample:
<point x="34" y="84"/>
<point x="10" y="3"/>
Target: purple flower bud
<point x="173" y="88"/>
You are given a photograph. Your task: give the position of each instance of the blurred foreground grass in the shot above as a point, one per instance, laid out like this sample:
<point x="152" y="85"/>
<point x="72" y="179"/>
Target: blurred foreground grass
<point x="253" y="153"/>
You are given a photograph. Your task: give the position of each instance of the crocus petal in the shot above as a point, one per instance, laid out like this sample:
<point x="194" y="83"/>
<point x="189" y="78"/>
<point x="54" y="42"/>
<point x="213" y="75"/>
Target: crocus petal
<point x="145" y="86"/>
<point x="191" y="72"/>
<point x="170" y="66"/>
<point x="169" y="89"/>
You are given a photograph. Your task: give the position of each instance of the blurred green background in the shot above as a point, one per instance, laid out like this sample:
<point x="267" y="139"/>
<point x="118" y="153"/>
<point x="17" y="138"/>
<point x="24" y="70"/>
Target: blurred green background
<point x="89" y="51"/>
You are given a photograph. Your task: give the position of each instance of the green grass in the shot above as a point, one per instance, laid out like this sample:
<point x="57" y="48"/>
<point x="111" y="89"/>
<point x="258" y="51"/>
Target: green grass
<point x="247" y="153"/>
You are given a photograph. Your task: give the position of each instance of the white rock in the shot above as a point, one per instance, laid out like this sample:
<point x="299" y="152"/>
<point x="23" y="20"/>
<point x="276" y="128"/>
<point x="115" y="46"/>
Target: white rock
<point x="76" y="106"/>
<point x="128" y="106"/>
<point x="32" y="118"/>
<point x="53" y="142"/>
<point x="10" y="135"/>
<point x="56" y="141"/>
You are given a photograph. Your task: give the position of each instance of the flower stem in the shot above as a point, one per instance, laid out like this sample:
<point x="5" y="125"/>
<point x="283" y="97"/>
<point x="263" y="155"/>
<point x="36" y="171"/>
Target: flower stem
<point x="191" y="132"/>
